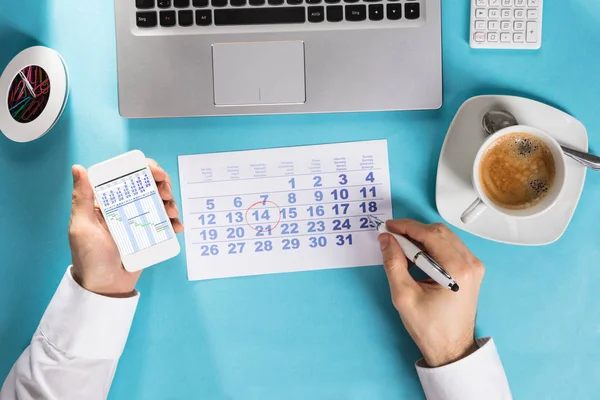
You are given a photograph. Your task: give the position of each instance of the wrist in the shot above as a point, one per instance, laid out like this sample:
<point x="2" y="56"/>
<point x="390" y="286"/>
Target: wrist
<point x="450" y="354"/>
<point x="106" y="290"/>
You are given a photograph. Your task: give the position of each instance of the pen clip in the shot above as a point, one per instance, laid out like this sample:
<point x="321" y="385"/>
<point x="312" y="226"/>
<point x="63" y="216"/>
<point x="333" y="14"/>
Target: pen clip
<point x="433" y="263"/>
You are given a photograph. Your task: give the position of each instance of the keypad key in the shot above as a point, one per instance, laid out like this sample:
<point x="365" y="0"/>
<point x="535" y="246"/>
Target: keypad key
<point x="146" y="19"/>
<point x="313" y="1"/>
<point x="203" y="17"/>
<point x="372" y="1"/>
<point x="200" y="3"/>
<point x="356" y="13"/>
<point x="532" y="32"/>
<point x="376" y="12"/>
<point x="275" y="2"/>
<point x="394" y="11"/>
<point x="519" y="26"/>
<point x="167" y="18"/>
<point x="144" y="4"/>
<point x="412" y="10"/>
<point x="257" y="2"/>
<point x="257" y="16"/>
<point x="350" y="1"/>
<point x="316" y="14"/>
<point x="237" y="3"/>
<point x="164" y="3"/>
<point x="181" y="3"/>
<point x="218" y="3"/>
<point x="186" y="18"/>
<point x="335" y="13"/>
<point x="294" y="2"/>
<point x="479" y="37"/>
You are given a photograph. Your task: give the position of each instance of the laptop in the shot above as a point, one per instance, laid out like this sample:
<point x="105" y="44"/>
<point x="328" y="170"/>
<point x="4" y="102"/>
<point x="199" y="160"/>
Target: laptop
<point x="180" y="58"/>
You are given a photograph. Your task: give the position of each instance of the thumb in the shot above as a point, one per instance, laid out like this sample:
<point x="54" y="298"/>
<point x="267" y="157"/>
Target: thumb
<point x="83" y="194"/>
<point x="396" y="268"/>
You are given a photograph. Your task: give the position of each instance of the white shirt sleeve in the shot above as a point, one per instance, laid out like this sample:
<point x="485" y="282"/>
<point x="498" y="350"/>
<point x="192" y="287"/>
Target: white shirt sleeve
<point x="478" y="376"/>
<point x="76" y="348"/>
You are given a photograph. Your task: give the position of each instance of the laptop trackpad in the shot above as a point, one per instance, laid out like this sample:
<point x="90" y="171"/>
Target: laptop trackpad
<point x="259" y="73"/>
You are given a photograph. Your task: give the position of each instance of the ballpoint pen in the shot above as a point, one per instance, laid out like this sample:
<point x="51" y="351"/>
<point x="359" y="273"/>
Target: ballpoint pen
<point x="421" y="259"/>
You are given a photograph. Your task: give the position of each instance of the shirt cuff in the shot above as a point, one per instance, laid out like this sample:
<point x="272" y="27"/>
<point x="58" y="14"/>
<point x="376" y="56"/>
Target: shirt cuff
<point x="477" y="376"/>
<point x="87" y="325"/>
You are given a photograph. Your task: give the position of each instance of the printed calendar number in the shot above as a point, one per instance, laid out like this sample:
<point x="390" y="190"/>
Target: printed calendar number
<point x="290" y="244"/>
<point x="264" y="198"/>
<point x="261" y="215"/>
<point x="291" y="198"/>
<point x="320" y="241"/>
<point x="259" y="246"/>
<point x="341" y="194"/>
<point x="372" y="191"/>
<point x="211" y="234"/>
<point x="212" y="250"/>
<point x="316" y="226"/>
<point x="210" y="204"/>
<point x="292" y="183"/>
<point x="264" y="230"/>
<point x="370" y="206"/>
<point x="237" y="202"/>
<point x="340" y="208"/>
<point x="233" y="233"/>
<point x="343" y="179"/>
<point x="318" y="195"/>
<point x="236" y="248"/>
<point x="364" y="223"/>
<point x="289" y="229"/>
<point x="317" y="181"/>
<point x="342" y="240"/>
<point x="370" y="177"/>
<point x="237" y="216"/>
<point x="289" y="213"/>
<point x="338" y="225"/>
<point x="208" y="219"/>
<point x="317" y="211"/>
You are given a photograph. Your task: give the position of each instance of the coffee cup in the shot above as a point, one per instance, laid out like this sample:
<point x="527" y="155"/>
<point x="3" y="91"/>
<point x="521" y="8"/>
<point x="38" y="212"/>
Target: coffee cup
<point x="551" y="192"/>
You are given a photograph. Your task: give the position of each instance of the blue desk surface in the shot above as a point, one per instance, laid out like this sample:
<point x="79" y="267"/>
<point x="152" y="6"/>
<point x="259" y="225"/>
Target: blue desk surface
<point x="313" y="335"/>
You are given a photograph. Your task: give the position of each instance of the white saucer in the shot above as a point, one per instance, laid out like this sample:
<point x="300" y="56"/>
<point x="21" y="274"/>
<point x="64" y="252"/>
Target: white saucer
<point x="454" y="191"/>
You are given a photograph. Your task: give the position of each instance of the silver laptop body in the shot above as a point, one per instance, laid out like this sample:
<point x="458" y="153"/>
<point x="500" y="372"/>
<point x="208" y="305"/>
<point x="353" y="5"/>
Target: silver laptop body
<point x="179" y="58"/>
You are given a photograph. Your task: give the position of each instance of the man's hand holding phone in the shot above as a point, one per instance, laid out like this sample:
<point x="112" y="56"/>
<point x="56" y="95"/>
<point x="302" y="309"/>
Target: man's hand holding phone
<point x="97" y="265"/>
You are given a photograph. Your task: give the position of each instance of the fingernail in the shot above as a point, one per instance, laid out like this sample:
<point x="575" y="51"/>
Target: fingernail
<point x="75" y="171"/>
<point x="384" y="241"/>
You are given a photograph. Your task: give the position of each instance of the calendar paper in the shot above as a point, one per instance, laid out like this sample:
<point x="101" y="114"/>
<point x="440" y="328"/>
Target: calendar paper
<point x="284" y="210"/>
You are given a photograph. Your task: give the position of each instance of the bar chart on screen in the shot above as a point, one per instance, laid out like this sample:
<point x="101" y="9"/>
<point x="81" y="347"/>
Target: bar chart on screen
<point x="134" y="212"/>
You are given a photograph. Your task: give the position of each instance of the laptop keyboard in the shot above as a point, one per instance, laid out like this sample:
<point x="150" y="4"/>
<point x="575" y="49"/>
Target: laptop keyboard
<point x="206" y="13"/>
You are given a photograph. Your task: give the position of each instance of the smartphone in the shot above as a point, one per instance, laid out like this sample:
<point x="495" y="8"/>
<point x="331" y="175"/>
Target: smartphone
<point x="134" y="212"/>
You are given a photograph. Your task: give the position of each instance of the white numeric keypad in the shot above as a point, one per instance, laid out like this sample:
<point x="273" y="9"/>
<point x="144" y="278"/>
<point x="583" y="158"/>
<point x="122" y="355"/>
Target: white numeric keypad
<point x="506" y="24"/>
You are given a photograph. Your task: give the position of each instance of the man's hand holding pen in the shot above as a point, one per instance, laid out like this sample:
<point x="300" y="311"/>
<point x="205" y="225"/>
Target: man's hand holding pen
<point x="441" y="322"/>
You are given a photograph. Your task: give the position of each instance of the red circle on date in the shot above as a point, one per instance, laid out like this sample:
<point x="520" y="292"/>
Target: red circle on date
<point x="264" y="205"/>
